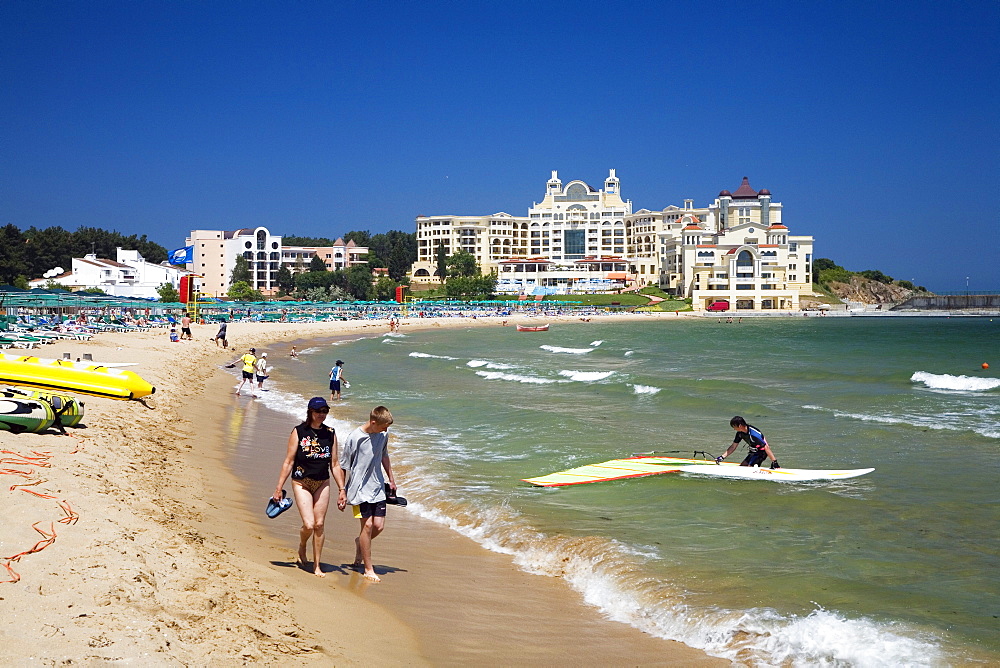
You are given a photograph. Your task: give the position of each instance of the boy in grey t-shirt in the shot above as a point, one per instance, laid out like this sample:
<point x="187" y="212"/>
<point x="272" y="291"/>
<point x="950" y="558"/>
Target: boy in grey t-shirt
<point x="365" y="454"/>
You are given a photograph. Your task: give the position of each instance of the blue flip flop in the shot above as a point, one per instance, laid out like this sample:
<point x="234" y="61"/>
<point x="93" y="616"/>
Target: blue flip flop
<point x="275" y="508"/>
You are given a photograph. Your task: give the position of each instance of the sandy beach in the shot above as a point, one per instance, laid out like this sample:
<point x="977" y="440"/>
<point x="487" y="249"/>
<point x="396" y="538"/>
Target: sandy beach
<point x="160" y="556"/>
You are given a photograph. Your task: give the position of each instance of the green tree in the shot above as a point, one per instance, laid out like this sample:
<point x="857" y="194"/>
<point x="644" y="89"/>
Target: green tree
<point x="488" y="284"/>
<point x="399" y="263"/>
<point x="442" y="261"/>
<point x="168" y="293"/>
<point x="21" y="282"/>
<point x="463" y="263"/>
<point x="241" y="272"/>
<point x="47" y="249"/>
<point x="242" y="292"/>
<point x="876" y="275"/>
<point x="317" y="264"/>
<point x="287" y="240"/>
<point x="359" y="283"/>
<point x="285" y="280"/>
<point x="471" y="286"/>
<point x="835" y="275"/>
<point x="360" y="237"/>
<point x="310" y="280"/>
<point x="385" y="289"/>
<point x="13" y="262"/>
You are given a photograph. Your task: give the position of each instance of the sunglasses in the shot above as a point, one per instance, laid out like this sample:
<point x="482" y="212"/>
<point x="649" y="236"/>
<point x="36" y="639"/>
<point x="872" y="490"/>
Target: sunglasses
<point x="321" y="410"/>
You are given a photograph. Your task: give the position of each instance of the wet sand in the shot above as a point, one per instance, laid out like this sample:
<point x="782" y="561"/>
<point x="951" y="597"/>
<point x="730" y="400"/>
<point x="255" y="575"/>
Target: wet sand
<point x="173" y="562"/>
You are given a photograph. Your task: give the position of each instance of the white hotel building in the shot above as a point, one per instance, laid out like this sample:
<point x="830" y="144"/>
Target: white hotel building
<point x="214" y="254"/>
<point x="580" y="239"/>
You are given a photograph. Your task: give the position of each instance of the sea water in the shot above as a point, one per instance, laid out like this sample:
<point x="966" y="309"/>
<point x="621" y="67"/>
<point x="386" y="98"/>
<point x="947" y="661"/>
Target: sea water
<point x="899" y="567"/>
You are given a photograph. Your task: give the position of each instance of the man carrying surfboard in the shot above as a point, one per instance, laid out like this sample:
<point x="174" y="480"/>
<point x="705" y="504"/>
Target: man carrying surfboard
<point x="759" y="449"/>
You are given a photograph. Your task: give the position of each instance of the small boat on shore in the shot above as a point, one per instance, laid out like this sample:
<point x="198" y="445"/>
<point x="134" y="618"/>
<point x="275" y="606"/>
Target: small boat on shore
<point x="537" y="328"/>
<point x="58" y="376"/>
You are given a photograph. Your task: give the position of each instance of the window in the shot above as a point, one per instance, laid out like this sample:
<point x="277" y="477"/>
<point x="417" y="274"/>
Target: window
<point x="574" y="242"/>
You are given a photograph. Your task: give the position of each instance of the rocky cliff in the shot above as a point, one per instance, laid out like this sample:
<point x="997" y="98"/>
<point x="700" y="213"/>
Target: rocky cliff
<point x="867" y="291"/>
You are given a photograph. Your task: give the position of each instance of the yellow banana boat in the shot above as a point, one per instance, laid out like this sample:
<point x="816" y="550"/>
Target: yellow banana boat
<point x="67" y="376"/>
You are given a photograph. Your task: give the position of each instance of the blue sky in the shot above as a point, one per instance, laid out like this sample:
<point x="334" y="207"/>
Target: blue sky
<point x="874" y="124"/>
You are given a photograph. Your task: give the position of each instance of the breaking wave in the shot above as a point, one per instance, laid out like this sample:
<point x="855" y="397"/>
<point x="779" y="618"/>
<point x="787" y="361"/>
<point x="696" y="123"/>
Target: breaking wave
<point x="568" y="351"/>
<point x="946" y="381"/>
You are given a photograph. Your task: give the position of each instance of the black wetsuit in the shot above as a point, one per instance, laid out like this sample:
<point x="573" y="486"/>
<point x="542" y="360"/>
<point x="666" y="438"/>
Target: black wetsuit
<point x="755" y="441"/>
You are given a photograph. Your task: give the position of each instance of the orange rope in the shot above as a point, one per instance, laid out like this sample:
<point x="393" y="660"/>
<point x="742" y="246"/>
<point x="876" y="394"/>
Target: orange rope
<point x="23" y="474"/>
<point x="49" y="538"/>
<point x="13" y="574"/>
<point x="38" y="494"/>
<point x="70" y="516"/>
<point x="25" y="484"/>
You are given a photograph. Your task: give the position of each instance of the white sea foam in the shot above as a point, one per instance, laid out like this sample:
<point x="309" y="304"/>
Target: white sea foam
<point x="594" y="344"/>
<point x="429" y="356"/>
<point x="645" y="389"/>
<point x="568" y="351"/>
<point x="516" y="378"/>
<point x="476" y="364"/>
<point x="607" y="575"/>
<point x="982" y="424"/>
<point x="629" y="353"/>
<point x="294" y="405"/>
<point x="946" y="381"/>
<point x="585" y="376"/>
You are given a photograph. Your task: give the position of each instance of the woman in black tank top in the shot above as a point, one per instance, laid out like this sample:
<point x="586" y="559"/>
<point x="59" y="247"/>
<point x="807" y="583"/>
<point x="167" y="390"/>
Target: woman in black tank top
<point x="311" y="460"/>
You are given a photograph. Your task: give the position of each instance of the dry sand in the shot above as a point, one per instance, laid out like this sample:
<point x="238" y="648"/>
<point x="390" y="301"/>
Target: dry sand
<point x="170" y="563"/>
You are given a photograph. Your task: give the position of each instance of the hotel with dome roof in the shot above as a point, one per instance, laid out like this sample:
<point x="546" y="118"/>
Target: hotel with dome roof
<point x="735" y="254"/>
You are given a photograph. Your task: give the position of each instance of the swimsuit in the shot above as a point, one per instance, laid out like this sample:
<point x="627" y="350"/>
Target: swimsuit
<point x="311" y="485"/>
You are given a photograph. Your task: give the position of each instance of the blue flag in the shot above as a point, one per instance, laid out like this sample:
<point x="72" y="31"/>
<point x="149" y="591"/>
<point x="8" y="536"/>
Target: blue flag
<point x="182" y="255"/>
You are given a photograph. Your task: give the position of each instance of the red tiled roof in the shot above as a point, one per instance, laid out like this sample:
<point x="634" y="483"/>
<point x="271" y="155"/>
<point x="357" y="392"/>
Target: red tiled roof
<point x="745" y="191"/>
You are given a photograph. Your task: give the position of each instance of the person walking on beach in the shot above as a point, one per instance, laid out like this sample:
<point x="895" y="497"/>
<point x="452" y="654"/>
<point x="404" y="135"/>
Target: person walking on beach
<point x="759" y="449"/>
<point x="186" y="327"/>
<point x="365" y="455"/>
<point x="336" y="376"/>
<point x="311" y="460"/>
<point x="221" y="335"/>
<point x="249" y="361"/>
<point x="294" y="353"/>
<point x="260" y="371"/>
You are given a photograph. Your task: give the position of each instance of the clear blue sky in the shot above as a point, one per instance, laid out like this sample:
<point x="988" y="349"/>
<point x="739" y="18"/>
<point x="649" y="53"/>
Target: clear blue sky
<point x="875" y="124"/>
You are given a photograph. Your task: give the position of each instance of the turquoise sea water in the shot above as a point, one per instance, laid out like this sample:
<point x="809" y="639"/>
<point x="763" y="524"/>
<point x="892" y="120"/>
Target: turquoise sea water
<point x="899" y="567"/>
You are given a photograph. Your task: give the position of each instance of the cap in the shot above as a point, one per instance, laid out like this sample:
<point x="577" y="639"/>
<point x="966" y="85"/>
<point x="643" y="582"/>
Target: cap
<point x="263" y="354"/>
<point x="317" y="402"/>
<point x="253" y="350"/>
<point x="339" y="363"/>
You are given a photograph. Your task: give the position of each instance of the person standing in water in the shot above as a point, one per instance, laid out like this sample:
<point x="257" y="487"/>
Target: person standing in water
<point x="365" y="455"/>
<point x="249" y="361"/>
<point x="336" y="377"/>
<point x="311" y="460"/>
<point x="260" y="371"/>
